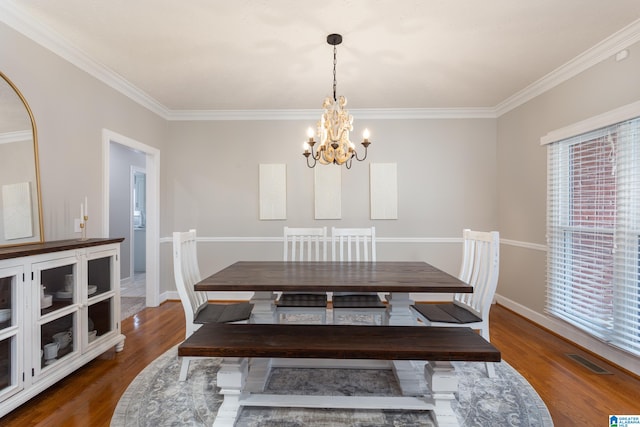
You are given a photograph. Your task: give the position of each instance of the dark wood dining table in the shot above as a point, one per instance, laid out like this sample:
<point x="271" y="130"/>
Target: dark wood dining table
<point x="397" y="278"/>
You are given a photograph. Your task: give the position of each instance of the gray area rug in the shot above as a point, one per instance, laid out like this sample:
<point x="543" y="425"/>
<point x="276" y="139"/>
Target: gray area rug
<point x="157" y="398"/>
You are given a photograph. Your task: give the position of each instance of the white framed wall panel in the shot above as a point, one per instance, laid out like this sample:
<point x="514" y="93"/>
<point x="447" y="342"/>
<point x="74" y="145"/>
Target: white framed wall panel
<point x="273" y="191"/>
<point x="328" y="191"/>
<point x="383" y="182"/>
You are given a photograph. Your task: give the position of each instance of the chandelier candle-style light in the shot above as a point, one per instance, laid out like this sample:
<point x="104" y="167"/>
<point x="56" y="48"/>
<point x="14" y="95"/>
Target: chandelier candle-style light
<point x="334" y="127"/>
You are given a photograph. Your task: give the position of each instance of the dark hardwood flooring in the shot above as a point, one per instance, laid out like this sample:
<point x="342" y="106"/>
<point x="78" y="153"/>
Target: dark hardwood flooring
<point x="574" y="395"/>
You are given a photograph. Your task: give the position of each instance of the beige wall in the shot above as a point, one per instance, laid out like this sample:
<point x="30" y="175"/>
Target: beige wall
<point x="522" y="166"/>
<point x="70" y="109"/>
<point x="446" y="182"/>
<point x="446" y="177"/>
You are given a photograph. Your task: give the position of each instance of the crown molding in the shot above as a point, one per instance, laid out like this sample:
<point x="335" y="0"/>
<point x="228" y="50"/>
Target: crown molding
<point x="605" y="49"/>
<point x="26" y="25"/>
<point x="364" y="113"/>
<point x="44" y="36"/>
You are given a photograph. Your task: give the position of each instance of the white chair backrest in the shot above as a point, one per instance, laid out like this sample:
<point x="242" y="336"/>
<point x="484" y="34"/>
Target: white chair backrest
<point x="305" y="244"/>
<point x="187" y="274"/>
<point x="353" y="244"/>
<point x="480" y="268"/>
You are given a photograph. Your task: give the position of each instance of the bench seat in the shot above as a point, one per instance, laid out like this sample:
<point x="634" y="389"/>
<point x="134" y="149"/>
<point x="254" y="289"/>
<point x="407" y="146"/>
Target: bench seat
<point x="248" y="351"/>
<point x="339" y="342"/>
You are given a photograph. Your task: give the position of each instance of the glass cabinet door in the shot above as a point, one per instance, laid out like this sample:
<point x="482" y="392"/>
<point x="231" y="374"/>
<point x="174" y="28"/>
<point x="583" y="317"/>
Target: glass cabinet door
<point x="101" y="295"/>
<point x="57" y="338"/>
<point x="11" y="331"/>
<point x="99" y="274"/>
<point x="57" y="284"/>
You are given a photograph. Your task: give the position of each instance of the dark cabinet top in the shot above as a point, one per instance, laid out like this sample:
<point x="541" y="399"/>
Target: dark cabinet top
<point x="54" y="246"/>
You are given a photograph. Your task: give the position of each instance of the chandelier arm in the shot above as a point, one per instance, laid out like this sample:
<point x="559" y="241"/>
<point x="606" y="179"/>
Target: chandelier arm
<point x="314" y="161"/>
<point x="355" y="153"/>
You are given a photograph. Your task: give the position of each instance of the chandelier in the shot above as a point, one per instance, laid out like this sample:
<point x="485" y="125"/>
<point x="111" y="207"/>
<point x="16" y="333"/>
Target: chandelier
<point x="334" y="127"/>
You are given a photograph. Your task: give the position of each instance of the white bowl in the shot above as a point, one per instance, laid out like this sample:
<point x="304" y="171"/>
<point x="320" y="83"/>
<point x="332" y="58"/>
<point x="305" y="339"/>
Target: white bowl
<point x="5" y="314"/>
<point x="92" y="335"/>
<point x="64" y="294"/>
<point x="62" y="338"/>
<point x="46" y="301"/>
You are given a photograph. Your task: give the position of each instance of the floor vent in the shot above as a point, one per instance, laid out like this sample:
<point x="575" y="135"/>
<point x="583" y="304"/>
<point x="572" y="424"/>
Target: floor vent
<point x="589" y="365"/>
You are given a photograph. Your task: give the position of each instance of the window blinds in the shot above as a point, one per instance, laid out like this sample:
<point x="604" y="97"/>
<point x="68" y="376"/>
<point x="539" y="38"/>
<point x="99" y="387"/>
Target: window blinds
<point x="593" y="232"/>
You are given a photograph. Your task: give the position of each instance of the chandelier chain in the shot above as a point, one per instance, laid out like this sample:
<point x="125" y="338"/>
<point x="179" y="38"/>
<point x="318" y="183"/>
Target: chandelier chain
<point x="335" y="82"/>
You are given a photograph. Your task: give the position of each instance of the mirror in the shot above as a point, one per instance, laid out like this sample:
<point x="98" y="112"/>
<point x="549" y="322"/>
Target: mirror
<point x="20" y="202"/>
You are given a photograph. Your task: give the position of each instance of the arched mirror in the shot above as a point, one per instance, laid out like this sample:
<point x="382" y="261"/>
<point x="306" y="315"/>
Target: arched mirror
<point x="20" y="202"/>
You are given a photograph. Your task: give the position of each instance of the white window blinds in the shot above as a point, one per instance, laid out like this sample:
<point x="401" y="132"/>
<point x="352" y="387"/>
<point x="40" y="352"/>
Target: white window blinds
<point x="593" y="232"/>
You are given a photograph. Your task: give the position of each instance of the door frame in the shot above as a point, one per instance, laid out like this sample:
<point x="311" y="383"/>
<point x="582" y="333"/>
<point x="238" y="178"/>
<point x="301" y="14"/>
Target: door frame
<point x="152" y="189"/>
<point x="132" y="232"/>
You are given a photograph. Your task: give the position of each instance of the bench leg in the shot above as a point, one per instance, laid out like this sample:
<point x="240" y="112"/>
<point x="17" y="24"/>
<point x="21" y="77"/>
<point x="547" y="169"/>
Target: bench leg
<point x="443" y="382"/>
<point x="231" y="378"/>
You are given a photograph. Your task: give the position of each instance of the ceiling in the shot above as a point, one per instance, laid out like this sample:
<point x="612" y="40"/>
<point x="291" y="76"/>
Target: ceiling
<point x="273" y="54"/>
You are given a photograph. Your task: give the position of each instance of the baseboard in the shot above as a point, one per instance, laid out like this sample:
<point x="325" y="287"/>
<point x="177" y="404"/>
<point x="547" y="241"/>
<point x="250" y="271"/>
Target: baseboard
<point x="592" y="345"/>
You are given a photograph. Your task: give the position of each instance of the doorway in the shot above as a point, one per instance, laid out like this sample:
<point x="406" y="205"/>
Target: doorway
<point x="150" y="168"/>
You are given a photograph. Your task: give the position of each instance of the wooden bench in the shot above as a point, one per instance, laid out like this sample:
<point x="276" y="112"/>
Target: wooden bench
<point x="397" y="345"/>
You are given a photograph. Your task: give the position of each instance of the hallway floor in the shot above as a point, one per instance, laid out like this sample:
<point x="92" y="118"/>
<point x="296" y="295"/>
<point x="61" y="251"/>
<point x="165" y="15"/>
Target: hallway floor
<point x="136" y="288"/>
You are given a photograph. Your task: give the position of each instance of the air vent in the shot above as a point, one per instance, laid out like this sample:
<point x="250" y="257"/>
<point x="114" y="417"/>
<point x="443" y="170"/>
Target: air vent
<point x="589" y="365"/>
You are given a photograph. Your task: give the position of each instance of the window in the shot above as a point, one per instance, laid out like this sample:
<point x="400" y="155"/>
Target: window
<point x="593" y="232"/>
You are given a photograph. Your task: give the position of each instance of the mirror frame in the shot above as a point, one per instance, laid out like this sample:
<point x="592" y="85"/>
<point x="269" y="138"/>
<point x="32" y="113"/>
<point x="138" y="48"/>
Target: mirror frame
<point x="37" y="166"/>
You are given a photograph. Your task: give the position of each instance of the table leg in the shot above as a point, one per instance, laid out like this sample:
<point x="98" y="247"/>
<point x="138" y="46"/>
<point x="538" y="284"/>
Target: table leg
<point x="231" y="379"/>
<point x="400" y="309"/>
<point x="264" y="308"/>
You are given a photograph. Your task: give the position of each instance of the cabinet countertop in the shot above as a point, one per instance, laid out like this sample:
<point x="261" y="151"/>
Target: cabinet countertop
<point x="53" y="246"/>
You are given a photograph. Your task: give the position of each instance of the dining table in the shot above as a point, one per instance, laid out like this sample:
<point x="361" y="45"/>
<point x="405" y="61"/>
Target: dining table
<point x="432" y="383"/>
<point x="398" y="279"/>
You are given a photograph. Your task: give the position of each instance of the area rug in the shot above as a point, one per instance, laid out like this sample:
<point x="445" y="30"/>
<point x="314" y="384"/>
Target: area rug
<point x="129" y="306"/>
<point x="156" y="398"/>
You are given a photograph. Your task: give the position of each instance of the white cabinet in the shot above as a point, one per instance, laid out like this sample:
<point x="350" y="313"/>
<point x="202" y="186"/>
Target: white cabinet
<point x="59" y="309"/>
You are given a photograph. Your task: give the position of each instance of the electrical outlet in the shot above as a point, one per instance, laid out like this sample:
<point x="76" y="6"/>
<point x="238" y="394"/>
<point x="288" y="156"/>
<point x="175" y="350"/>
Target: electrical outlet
<point x="76" y="225"/>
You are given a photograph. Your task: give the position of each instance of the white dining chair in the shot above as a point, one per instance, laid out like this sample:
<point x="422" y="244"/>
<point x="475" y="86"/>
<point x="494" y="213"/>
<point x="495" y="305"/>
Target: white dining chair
<point x="356" y="244"/>
<point x="480" y="268"/>
<point x="303" y="244"/>
<point x="197" y="309"/>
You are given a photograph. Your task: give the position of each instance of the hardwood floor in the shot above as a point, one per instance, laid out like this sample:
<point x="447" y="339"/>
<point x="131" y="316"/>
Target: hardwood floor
<point x="89" y="396"/>
<point x="574" y="395"/>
